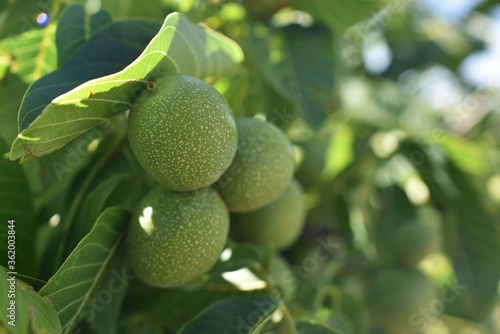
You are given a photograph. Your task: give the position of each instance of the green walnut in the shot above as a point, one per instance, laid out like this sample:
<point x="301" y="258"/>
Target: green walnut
<point x="413" y="241"/>
<point x="396" y="296"/>
<point x="176" y="237"/>
<point x="183" y="133"/>
<point x="278" y="223"/>
<point x="261" y="169"/>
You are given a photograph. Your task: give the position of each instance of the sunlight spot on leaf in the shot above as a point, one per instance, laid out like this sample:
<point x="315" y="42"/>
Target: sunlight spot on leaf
<point x="93" y="6"/>
<point x="385" y="143"/>
<point x="226" y="254"/>
<point x="494" y="188"/>
<point x="287" y="16"/>
<point x="244" y="280"/>
<point x="277" y="316"/>
<point x="28" y="138"/>
<point x="416" y="190"/>
<point x="93" y="145"/>
<point x="260" y="116"/>
<point x="55" y="220"/>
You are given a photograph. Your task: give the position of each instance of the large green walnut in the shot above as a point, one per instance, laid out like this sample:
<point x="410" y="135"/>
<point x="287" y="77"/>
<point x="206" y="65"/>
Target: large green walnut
<point x="413" y="241"/>
<point x="396" y="296"/>
<point x="175" y="237"/>
<point x="278" y="223"/>
<point x="261" y="169"/>
<point x="183" y="133"/>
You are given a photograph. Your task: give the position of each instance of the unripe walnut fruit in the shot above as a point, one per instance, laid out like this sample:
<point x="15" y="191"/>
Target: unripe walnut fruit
<point x="183" y="133"/>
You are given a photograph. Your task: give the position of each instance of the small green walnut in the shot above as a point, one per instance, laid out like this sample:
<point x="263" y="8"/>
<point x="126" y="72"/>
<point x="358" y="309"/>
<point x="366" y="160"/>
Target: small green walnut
<point x="395" y="295"/>
<point x="413" y="241"/>
<point x="261" y="169"/>
<point x="175" y="237"/>
<point x="278" y="223"/>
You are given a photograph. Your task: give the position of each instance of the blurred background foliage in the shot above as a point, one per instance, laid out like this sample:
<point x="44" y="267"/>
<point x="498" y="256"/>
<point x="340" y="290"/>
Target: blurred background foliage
<point x="393" y="109"/>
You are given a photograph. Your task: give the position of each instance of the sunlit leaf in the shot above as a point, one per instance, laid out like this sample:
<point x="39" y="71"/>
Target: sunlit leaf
<point x="32" y="314"/>
<point x="118" y="44"/>
<point x="31" y="54"/>
<point x="179" y="47"/>
<point x="469" y="156"/>
<point x="23" y="59"/>
<point x="18" y="16"/>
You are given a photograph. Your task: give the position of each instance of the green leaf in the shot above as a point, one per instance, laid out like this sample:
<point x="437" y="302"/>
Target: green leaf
<point x="36" y="283"/>
<point x="236" y="315"/>
<point x="16" y="203"/>
<point x="72" y="285"/>
<point x="297" y="62"/>
<point x="23" y="59"/>
<point x="92" y="206"/>
<point x="469" y="156"/>
<point x="118" y="44"/>
<point x="474" y="246"/>
<point x="129" y="8"/>
<point x="75" y="27"/>
<point x="32" y="54"/>
<point x="244" y="255"/>
<point x="312" y="327"/>
<point x="12" y="89"/>
<point x="340" y="151"/>
<point x="17" y="16"/>
<point x="470" y="230"/>
<point x="179" y="47"/>
<point x="103" y="308"/>
<point x="186" y="302"/>
<point x="33" y="314"/>
<point x="340" y="14"/>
